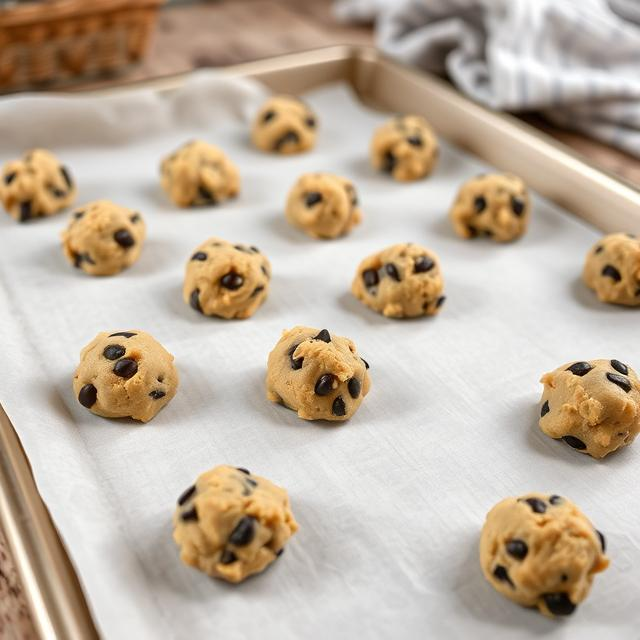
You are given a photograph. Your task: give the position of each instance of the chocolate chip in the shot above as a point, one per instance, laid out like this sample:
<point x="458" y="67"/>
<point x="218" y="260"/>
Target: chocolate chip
<point x="156" y="394"/>
<point x="517" y="205"/>
<point x="324" y="384"/>
<point x="324" y="335"/>
<point x="228" y="557"/>
<point x="611" y="272"/>
<point x="392" y="271"/>
<point x="555" y="499"/>
<point x="473" y="232"/>
<point x="517" y="548"/>
<point x="440" y="301"/>
<point x="243" y="470"/>
<point x="124" y="238"/>
<point x="423" y="264"/>
<point x="254" y="249"/>
<point x="205" y="194"/>
<point x="338" y="408"/>
<point x="185" y="495"/>
<point x="57" y="193"/>
<point x="366" y="364"/>
<point x="79" y="258"/>
<point x="8" y="179"/>
<point x="194" y="300"/>
<point x="537" y="505"/>
<point x="310" y="122"/>
<point x="579" y="368"/>
<point x="251" y="482"/>
<point x="257" y="290"/>
<point x="243" y="532"/>
<point x="480" y="204"/>
<point x="125" y="368"/>
<point x="67" y="176"/>
<point x="199" y="255"/>
<point x="264" y="270"/>
<point x="354" y="387"/>
<point x="191" y="515"/>
<point x="415" y="141"/>
<point x="598" y="249"/>
<point x="124" y="334"/>
<point x="559" y="604"/>
<point x="620" y="367"/>
<point x="312" y="198"/>
<point x="291" y="137"/>
<point x="297" y="362"/>
<point x="114" y="351"/>
<point x="135" y="218"/>
<point x="388" y="162"/>
<point x="232" y="281"/>
<point x="502" y="574"/>
<point x="603" y="542"/>
<point x="621" y="381"/>
<point x="25" y="210"/>
<point x="370" y="278"/>
<point x="544" y="409"/>
<point x="239" y="247"/>
<point x="574" y="442"/>
<point x="268" y="115"/>
<point x="78" y="214"/>
<point x="88" y="396"/>
<point x="279" y="552"/>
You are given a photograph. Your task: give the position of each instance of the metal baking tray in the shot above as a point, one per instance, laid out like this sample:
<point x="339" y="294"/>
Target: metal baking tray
<point x="57" y="603"/>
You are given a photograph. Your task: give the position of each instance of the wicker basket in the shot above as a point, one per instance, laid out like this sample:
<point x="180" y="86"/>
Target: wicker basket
<point x="53" y="41"/>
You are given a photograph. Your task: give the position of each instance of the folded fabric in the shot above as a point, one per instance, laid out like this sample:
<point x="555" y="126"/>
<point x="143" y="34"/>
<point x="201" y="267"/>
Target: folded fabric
<point x="576" y="61"/>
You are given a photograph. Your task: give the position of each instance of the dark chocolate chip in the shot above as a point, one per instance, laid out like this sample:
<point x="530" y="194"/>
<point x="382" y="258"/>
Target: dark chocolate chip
<point x="57" y="193"/>
<point x="354" y="387"/>
<point x="199" y="255"/>
<point x="517" y="205"/>
<point x="423" y="264"/>
<point x="338" y="408"/>
<point x="598" y="249"/>
<point x="440" y="301"/>
<point x="611" y="272"/>
<point x="251" y="482"/>
<point x="124" y="334"/>
<point x="228" y="557"/>
<point x="243" y="470"/>
<point x="537" y="505"/>
<point x="620" y="367"/>
<point x="366" y="364"/>
<point x="559" y="604"/>
<point x="415" y="141"/>
<point x="191" y="515"/>
<point x="67" y="176"/>
<point x="324" y="335"/>
<point x="630" y="235"/>
<point x="205" y="194"/>
<point x="310" y="122"/>
<point x="388" y="162"/>
<point x="517" y="548"/>
<point x="114" y="351"/>
<point x="257" y="290"/>
<point x="264" y="270"/>
<point x="194" y="300"/>
<point x="185" y="495"/>
<point x="574" y="442"/>
<point x="268" y="115"/>
<point x="125" y="368"/>
<point x="291" y="137"/>
<point x="544" y="409"/>
<point x="254" y="249"/>
<point x="135" y="218"/>
<point x="370" y="278"/>
<point x="296" y="363"/>
<point x="480" y="204"/>
<point x="621" y="381"/>
<point x="156" y="394"/>
<point x="243" y="532"/>
<point x="324" y="384"/>
<point x="279" y="552"/>
<point x="239" y="247"/>
<point x="473" y="232"/>
<point x="25" y="210"/>
<point x="232" y="281"/>
<point x="555" y="499"/>
<point x="502" y="574"/>
<point x="392" y="271"/>
<point x="8" y="179"/>
<point x="579" y="368"/>
<point x="312" y="198"/>
<point x="603" y="542"/>
<point x="88" y="396"/>
<point x="78" y="214"/>
<point x="124" y="238"/>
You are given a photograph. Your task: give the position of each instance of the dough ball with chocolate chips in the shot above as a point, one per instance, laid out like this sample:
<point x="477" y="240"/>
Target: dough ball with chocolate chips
<point x="401" y="281"/>
<point x="405" y="147"/>
<point x="125" y="374"/>
<point x="316" y="374"/>
<point x="103" y="238"/>
<point x="612" y="269"/>
<point x="232" y="524"/>
<point x="494" y="206"/>
<point x="226" y="280"/>
<point x="541" y="551"/>
<point x="36" y="185"/>
<point x="199" y="174"/>
<point x="593" y="406"/>
<point x="323" y="205"/>
<point x="284" y="125"/>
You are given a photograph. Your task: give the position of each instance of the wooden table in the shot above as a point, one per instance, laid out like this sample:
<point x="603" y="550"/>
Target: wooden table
<point x="229" y="31"/>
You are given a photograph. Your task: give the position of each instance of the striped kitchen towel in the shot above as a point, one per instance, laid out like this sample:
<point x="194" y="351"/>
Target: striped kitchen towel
<point x="576" y="61"/>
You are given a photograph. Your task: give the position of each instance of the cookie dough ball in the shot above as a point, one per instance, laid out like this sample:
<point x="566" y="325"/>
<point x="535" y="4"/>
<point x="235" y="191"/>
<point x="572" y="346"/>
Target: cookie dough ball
<point x="36" y="185"/>
<point x="199" y="174"/>
<point x="226" y="280"/>
<point x="494" y="205"/>
<point x="405" y="147"/>
<point x="541" y="551"/>
<point x="103" y="238"/>
<point x="317" y="374"/>
<point x="401" y="281"/>
<point x="612" y="269"/>
<point x="593" y="406"/>
<point x="232" y="524"/>
<point x="323" y="205"/>
<point x="285" y="125"/>
<point x="125" y="374"/>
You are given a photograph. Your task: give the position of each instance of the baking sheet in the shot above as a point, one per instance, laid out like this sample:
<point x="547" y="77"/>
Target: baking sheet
<point x="391" y="503"/>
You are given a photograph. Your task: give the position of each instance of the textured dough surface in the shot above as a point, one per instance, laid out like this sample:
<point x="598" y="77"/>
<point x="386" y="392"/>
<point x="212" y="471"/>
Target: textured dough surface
<point x="493" y="205"/>
<point x="284" y="124"/>
<point x="232" y="524"/>
<point x="401" y="281"/>
<point x="323" y="205"/>
<point x="36" y="185"/>
<point x="612" y="269"/>
<point x="125" y="374"/>
<point x="404" y="147"/>
<point x="317" y="374"/>
<point x="199" y="174"/>
<point x="226" y="280"/>
<point x="541" y="551"/>
<point x="593" y="406"/>
<point x="103" y="238"/>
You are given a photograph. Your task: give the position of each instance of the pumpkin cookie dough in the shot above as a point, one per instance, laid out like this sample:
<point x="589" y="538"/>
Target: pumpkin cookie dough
<point x="541" y="551"/>
<point x="593" y="406"/>
<point x="316" y="374"/>
<point x="401" y="281"/>
<point x="404" y="147"/>
<point x="226" y="280"/>
<point x="199" y="174"/>
<point x="612" y="269"/>
<point x="103" y="238"/>
<point x="284" y="125"/>
<point x="232" y="524"/>
<point x="125" y="374"/>
<point x="36" y="185"/>
<point x="323" y="205"/>
<point x="494" y="205"/>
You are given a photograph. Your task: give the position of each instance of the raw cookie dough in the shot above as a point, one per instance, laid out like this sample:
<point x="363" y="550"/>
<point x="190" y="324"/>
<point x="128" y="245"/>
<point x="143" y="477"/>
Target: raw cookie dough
<point x="285" y="125"/>
<point x="401" y="281"/>
<point x="323" y="205"/>
<point x="317" y="374"/>
<point x="405" y="147"/>
<point x="226" y="280"/>
<point x="493" y="205"/>
<point x="232" y="524"/>
<point x="612" y="269"/>
<point x="125" y="374"/>
<point x="541" y="551"/>
<point x="593" y="406"/>
<point x="103" y="238"/>
<point x="36" y="185"/>
<point x="198" y="174"/>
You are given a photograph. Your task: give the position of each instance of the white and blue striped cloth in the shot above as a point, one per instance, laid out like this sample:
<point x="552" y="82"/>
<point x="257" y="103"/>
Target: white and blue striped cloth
<point x="577" y="61"/>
